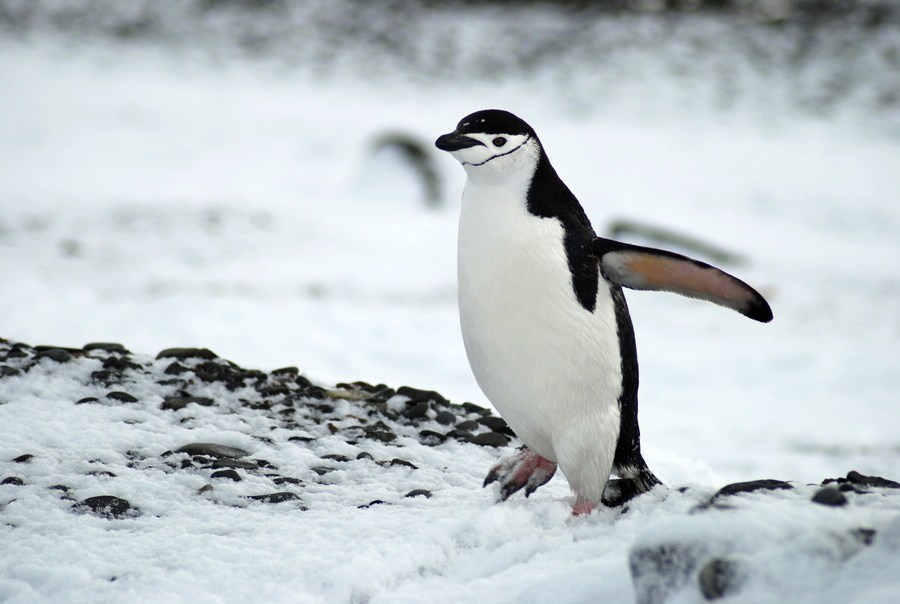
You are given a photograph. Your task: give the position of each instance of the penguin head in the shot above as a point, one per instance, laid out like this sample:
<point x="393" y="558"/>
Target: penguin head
<point x="493" y="143"/>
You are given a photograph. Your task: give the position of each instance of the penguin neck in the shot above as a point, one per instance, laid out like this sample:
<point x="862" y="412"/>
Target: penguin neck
<point x="514" y="171"/>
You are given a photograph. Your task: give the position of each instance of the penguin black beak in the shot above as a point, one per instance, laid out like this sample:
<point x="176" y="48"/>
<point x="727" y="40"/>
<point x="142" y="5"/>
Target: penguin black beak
<point x="455" y="142"/>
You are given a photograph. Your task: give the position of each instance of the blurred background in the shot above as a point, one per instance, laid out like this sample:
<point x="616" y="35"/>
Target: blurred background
<point x="258" y="177"/>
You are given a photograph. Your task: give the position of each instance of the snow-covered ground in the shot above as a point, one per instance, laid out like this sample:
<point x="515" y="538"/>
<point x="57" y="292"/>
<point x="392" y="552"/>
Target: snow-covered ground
<point x="156" y="201"/>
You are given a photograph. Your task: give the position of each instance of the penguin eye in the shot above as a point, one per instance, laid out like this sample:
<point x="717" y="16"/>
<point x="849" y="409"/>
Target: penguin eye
<point x="499" y="141"/>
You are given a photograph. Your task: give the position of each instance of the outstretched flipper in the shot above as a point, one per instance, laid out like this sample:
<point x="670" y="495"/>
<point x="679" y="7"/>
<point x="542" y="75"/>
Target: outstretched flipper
<point x="646" y="268"/>
<point x="524" y="469"/>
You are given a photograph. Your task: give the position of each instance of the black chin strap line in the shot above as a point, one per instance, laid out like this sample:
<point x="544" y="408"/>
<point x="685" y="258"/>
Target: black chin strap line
<point x="524" y="142"/>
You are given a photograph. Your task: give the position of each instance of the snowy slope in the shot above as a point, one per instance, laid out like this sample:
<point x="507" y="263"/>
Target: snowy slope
<point x="159" y="202"/>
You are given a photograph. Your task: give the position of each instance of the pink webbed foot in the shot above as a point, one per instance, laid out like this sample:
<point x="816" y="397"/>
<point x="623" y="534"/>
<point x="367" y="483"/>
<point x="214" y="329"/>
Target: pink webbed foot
<point x="582" y="507"/>
<point x="524" y="469"/>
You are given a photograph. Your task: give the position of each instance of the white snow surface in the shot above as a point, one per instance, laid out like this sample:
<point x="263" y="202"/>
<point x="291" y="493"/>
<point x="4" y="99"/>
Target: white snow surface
<point x="158" y="202"/>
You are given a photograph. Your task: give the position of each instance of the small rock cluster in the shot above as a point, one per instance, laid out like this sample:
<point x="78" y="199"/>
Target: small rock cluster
<point x="190" y="379"/>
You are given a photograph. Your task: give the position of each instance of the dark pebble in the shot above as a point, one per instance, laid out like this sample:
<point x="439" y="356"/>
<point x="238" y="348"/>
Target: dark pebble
<point x="187" y="353"/>
<point x="291" y="372"/>
<point x="371" y="503"/>
<point x="381" y="435"/>
<point x="419" y="493"/>
<point x="13" y="480"/>
<point x="402" y="462"/>
<point x="467" y="426"/>
<point x="274" y="390"/>
<point x="301" y="439"/>
<point x="60" y="487"/>
<point x="459" y="434"/>
<point x="336" y="457"/>
<point x="279" y="497"/>
<point x="106" y="346"/>
<point x="212" y="449"/>
<point x="446" y="418"/>
<point x="175" y="368"/>
<point x="364" y="455"/>
<point x="430" y="438"/>
<point x="108" y="506"/>
<point x="871" y="481"/>
<point x="280" y="480"/>
<point x="751" y="486"/>
<point x="23" y="458"/>
<point x="416" y="410"/>
<point x="7" y="371"/>
<point x="229" y="474"/>
<point x="87" y="399"/>
<point x="866" y="536"/>
<point x="118" y="395"/>
<point x="54" y="354"/>
<point x="718" y="578"/>
<point x="322" y="470"/>
<point x="830" y="496"/>
<point x="180" y="402"/>
<point x="490" y="439"/>
<point x="17" y="352"/>
<point x="473" y="408"/>
<point x="496" y="424"/>
<point x="105" y="473"/>
<point x="234" y="463"/>
<point x="417" y="395"/>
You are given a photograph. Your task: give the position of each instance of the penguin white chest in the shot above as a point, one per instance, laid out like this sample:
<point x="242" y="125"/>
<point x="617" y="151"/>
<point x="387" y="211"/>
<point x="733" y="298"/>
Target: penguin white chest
<point x="551" y="367"/>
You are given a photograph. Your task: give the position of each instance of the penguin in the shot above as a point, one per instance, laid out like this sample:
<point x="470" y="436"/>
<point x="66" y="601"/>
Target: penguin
<point x="544" y="319"/>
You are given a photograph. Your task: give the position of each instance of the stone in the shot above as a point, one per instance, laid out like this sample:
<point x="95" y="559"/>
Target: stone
<point x="13" y="480"/>
<point x="187" y="353"/>
<point x="718" y="578"/>
<point x="364" y="455"/>
<point x="108" y="506"/>
<point x="57" y="355"/>
<point x="416" y="395"/>
<point x="7" y="371"/>
<point x="176" y="403"/>
<point x="473" y="408"/>
<point x="496" y="424"/>
<point x="416" y="410"/>
<point x="87" y="399"/>
<point x="490" y="439"/>
<point x="336" y="457"/>
<point x="213" y="450"/>
<point x="229" y="474"/>
<point x="419" y="493"/>
<point x="402" y="462"/>
<point x="871" y="481"/>
<point x="118" y="395"/>
<point x="752" y="486"/>
<point x="234" y="463"/>
<point x="830" y="496"/>
<point x="104" y="346"/>
<point x="660" y="570"/>
<point x="23" y="458"/>
<point x="467" y="426"/>
<point x="445" y="418"/>
<point x="279" y="497"/>
<point x="430" y="438"/>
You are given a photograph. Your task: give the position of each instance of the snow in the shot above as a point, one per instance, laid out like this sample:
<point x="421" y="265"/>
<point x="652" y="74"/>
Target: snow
<point x="160" y="202"/>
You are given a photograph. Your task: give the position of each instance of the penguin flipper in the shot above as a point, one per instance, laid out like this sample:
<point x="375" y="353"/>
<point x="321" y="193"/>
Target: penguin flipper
<point x="645" y="268"/>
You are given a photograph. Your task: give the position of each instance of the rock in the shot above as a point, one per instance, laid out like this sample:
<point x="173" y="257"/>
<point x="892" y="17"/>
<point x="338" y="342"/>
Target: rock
<point x="104" y="346"/>
<point x="234" y="463"/>
<point x="280" y="480"/>
<point x="13" y="480"/>
<point x="871" y="481"/>
<point x="430" y="438"/>
<point x="187" y="353"/>
<point x="416" y="410"/>
<point x="291" y="372"/>
<point x="7" y="371"/>
<point x="366" y="506"/>
<point x="402" y="462"/>
<point x="364" y="455"/>
<point x="384" y="436"/>
<point x="322" y="470"/>
<point x="496" y="424"/>
<point x="751" y="486"/>
<point x="445" y="418"/>
<point x="490" y="439"/>
<point x="660" y="570"/>
<point x="54" y="354"/>
<point x="213" y="450"/>
<point x="830" y="496"/>
<point x="718" y="578"/>
<point x="108" y="506"/>
<point x="176" y="403"/>
<point x="473" y="408"/>
<point x="124" y="397"/>
<point x="467" y="426"/>
<point x="279" y="497"/>
<point x="336" y="457"/>
<point x="23" y="458"/>
<point x="175" y="368"/>
<point x="229" y="474"/>
<point x="416" y="395"/>
<point x="419" y="493"/>
<point x="87" y="399"/>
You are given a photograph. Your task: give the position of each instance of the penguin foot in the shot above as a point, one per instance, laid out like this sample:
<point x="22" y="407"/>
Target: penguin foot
<point x="524" y="469"/>
<point x="582" y="506"/>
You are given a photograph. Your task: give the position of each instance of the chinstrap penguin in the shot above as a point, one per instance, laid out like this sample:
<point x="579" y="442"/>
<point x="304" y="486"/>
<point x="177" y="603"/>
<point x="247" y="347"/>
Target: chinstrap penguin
<point x="544" y="320"/>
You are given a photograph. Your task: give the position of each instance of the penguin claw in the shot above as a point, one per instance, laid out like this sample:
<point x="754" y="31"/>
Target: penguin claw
<point x="526" y="469"/>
